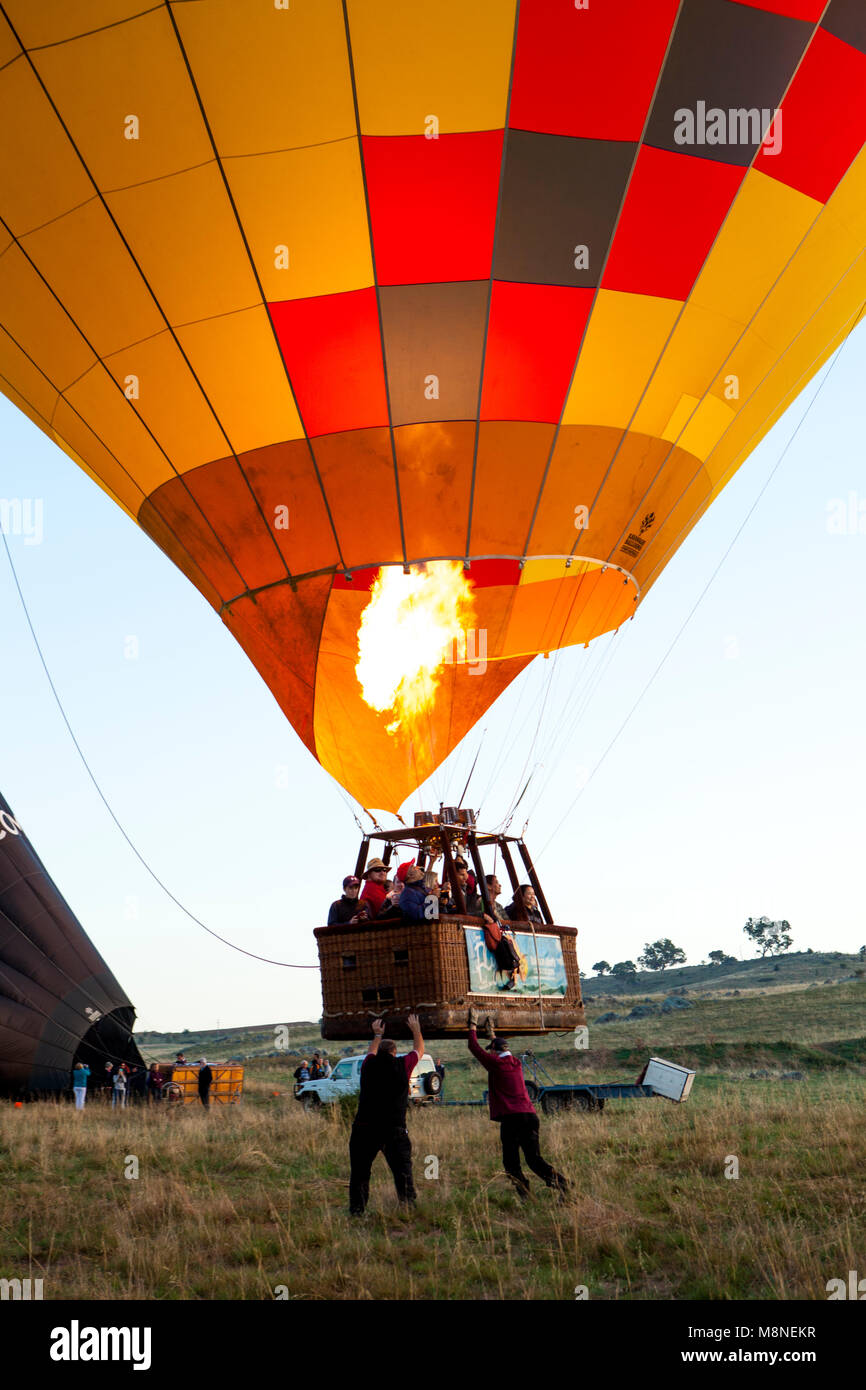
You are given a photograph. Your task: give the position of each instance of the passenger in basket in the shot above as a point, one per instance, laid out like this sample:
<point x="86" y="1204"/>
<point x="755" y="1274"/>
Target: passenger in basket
<point x="447" y="902"/>
<point x="413" y="896"/>
<point x="374" y="891"/>
<point x="514" y="1112"/>
<point x="494" y="888"/>
<point x="524" y="906"/>
<point x="433" y="890"/>
<point x="391" y="908"/>
<point x="344" y="909"/>
<point x="474" y="900"/>
<point x="380" y="1122"/>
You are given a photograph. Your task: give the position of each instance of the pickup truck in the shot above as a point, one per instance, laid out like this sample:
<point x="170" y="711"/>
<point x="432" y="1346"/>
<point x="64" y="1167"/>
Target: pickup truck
<point x="425" y="1083"/>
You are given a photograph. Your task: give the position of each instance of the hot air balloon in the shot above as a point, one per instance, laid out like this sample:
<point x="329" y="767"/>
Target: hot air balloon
<point x="423" y="329"/>
<point x="314" y="291"/>
<point x="59" y="1002"/>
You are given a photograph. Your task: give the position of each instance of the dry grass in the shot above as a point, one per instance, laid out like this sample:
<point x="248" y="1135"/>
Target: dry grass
<point x="238" y="1202"/>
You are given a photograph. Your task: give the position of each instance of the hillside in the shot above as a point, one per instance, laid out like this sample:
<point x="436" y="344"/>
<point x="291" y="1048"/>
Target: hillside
<point x="769" y="972"/>
<point x="771" y="1030"/>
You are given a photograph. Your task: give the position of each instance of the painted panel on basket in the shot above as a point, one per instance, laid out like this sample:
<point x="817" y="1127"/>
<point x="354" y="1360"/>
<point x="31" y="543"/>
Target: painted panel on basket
<point x="545" y="975"/>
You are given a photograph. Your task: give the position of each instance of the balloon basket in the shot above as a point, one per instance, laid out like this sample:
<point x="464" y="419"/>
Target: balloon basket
<point x="439" y="970"/>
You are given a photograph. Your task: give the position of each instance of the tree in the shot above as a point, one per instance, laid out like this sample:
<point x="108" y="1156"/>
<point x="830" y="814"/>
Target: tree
<point x="719" y="957"/>
<point x="658" y="955"/>
<point x="600" y="967"/>
<point x="624" y="970"/>
<point x="771" y="938"/>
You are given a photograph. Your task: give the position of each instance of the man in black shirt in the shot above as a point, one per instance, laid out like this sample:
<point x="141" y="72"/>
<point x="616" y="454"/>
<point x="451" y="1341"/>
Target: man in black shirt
<point x="345" y="908"/>
<point x="205" y="1078"/>
<point x="380" y="1122"/>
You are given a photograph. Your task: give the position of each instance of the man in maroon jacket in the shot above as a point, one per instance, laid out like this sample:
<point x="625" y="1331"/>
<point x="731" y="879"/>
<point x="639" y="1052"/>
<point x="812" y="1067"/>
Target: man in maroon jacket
<point x="514" y="1112"/>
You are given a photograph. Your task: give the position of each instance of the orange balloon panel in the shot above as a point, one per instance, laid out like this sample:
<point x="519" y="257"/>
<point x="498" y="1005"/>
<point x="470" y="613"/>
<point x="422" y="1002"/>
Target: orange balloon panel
<point x="319" y="289"/>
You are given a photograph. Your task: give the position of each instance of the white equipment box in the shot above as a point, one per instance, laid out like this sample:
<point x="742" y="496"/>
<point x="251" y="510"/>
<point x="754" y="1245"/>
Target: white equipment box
<point x="668" y="1079"/>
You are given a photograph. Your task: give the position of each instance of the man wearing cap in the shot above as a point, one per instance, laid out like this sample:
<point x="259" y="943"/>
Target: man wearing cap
<point x="513" y="1111"/>
<point x="374" y="890"/>
<point x="344" y="909"/>
<point x="380" y="1122"/>
<point x="414" y="895"/>
<point x="205" y="1078"/>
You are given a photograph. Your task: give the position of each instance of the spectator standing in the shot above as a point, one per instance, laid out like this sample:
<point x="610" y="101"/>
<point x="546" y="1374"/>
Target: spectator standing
<point x="118" y="1088"/>
<point x="79" y="1084"/>
<point x="155" y="1083"/>
<point x="205" y="1081"/>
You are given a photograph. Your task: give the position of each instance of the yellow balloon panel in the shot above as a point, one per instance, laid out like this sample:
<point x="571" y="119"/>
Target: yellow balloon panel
<point x="40" y="175"/>
<point x="599" y="396"/>
<point x="305" y="219"/>
<point x="55" y="21"/>
<point x="141" y="119"/>
<point x="449" y="61"/>
<point x="270" y="78"/>
<point x="185" y="237"/>
<point x="90" y="271"/>
<point x="37" y="321"/>
<point x="236" y="359"/>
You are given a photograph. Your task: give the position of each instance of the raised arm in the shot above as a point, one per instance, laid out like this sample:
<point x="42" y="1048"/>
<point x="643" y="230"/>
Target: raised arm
<point x="478" y="1052"/>
<point x="378" y="1035"/>
<point x="417" y="1040"/>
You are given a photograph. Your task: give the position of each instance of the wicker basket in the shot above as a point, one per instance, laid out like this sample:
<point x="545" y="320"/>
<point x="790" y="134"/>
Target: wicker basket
<point x="395" y="969"/>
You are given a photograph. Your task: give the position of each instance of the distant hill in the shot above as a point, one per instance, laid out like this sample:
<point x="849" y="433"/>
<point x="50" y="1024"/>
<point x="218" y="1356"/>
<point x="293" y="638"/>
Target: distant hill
<point x="771" y="972"/>
<point x="220" y="1044"/>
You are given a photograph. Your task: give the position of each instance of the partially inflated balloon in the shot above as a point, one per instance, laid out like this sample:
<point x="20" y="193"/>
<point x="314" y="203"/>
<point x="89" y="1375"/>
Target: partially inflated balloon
<point x="59" y="1002"/>
<point x="316" y="289"/>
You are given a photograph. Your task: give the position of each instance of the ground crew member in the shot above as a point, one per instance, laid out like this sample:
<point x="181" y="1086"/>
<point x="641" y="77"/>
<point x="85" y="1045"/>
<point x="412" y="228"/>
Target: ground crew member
<point x="380" y="1122"/>
<point x="514" y="1112"/>
<point x="205" y="1079"/>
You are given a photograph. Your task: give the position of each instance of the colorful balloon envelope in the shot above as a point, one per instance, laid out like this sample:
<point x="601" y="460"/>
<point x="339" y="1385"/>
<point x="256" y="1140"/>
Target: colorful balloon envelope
<point x="322" y="293"/>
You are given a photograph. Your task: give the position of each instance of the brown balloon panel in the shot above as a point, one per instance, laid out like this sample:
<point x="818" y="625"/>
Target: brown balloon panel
<point x="59" y="1002"/>
<point x="391" y="971"/>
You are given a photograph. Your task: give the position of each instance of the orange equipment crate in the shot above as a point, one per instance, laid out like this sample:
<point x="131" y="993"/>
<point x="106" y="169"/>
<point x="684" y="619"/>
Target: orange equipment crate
<point x="226" y="1088"/>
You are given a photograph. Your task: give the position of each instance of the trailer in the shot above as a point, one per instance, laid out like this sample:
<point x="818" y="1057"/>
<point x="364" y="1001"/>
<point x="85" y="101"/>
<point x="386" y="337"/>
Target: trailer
<point x="658" y="1079"/>
<point x="181" y="1085"/>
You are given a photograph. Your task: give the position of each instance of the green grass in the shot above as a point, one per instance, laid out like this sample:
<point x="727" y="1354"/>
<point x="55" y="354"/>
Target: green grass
<point x="241" y="1201"/>
<point x="244" y="1200"/>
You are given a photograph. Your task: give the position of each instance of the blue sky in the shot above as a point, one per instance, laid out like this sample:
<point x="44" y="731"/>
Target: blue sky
<point x="735" y="790"/>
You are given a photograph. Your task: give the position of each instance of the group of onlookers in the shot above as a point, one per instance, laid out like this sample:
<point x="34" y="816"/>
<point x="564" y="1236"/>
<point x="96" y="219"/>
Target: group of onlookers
<point x="318" y="1068"/>
<point x="137" y="1082"/>
<point x="414" y="895"/>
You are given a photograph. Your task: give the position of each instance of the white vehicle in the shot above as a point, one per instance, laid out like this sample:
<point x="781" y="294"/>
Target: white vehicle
<point x="425" y="1083"/>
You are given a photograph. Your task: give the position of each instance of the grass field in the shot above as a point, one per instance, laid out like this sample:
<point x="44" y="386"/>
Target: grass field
<point x="245" y="1201"/>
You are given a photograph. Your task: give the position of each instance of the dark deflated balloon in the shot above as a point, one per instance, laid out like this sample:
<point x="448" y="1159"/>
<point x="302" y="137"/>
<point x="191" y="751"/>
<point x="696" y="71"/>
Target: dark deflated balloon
<point x="59" y="1002"/>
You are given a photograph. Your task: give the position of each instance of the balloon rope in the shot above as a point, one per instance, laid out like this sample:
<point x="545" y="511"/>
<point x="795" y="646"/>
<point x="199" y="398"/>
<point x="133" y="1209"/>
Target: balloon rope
<point x="139" y="856"/>
<point x="702" y="594"/>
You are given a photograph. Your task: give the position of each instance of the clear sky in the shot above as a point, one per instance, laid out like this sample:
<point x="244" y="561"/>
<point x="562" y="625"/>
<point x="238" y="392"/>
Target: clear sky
<point x="736" y="789"/>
